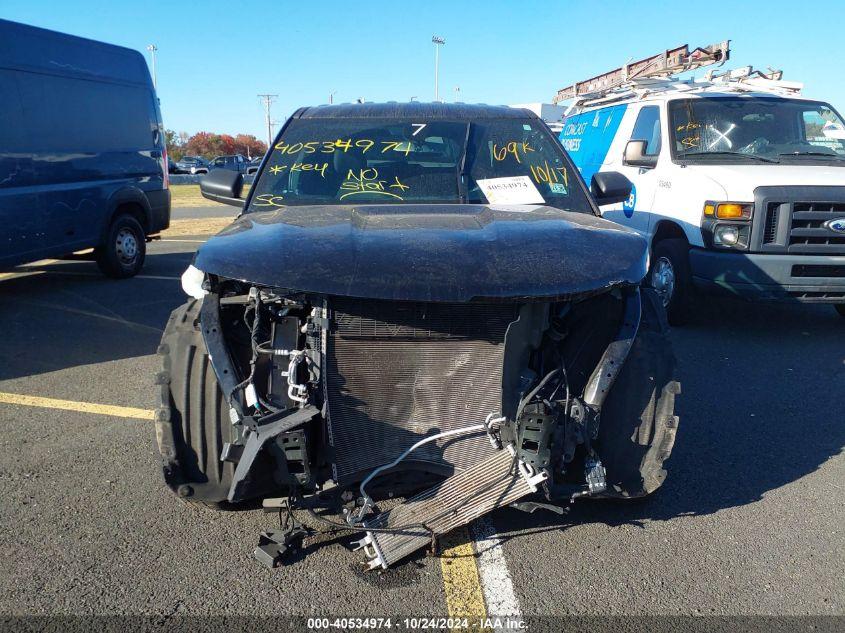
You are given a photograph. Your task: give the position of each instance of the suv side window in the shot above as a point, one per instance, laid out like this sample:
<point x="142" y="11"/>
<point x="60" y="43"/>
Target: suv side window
<point x="647" y="128"/>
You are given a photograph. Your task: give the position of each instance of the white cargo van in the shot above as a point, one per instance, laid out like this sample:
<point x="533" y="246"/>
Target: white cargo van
<point x="739" y="182"/>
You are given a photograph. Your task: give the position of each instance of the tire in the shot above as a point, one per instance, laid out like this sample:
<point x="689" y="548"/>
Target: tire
<point x="123" y="252"/>
<point x="840" y="308"/>
<point x="192" y="421"/>
<point x="670" y="276"/>
<point x="638" y="422"/>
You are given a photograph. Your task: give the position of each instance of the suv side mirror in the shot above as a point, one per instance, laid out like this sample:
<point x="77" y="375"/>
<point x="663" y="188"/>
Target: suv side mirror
<point x="223" y="185"/>
<point x="635" y="155"/>
<point x="610" y="187"/>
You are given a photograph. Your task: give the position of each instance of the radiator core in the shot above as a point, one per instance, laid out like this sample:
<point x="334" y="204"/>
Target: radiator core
<point x="397" y="372"/>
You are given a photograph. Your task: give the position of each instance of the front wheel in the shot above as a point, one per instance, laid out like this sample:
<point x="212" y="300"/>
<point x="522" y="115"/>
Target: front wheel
<point x="192" y="422"/>
<point x="671" y="279"/>
<point x="638" y="421"/>
<point x="125" y="247"/>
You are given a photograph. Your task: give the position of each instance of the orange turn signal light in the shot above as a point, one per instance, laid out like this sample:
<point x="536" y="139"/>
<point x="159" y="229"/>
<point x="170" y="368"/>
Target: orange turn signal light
<point x="732" y="211"/>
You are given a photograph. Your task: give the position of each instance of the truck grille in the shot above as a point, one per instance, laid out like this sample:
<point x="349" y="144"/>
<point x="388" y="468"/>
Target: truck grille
<point x="790" y="220"/>
<point x="397" y="372"/>
<point x="808" y="236"/>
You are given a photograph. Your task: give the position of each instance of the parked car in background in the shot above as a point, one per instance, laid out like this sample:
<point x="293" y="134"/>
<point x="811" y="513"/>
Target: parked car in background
<point x="192" y="165"/>
<point x="232" y="162"/>
<point x="82" y="156"/>
<point x="253" y="165"/>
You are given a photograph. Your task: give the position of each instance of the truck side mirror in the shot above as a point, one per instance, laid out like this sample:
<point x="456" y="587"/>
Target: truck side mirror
<point x="635" y="155"/>
<point x="223" y="185"/>
<point x="610" y="187"/>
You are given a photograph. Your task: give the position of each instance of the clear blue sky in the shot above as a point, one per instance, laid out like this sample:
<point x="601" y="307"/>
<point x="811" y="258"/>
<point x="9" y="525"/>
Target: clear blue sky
<point x="214" y="57"/>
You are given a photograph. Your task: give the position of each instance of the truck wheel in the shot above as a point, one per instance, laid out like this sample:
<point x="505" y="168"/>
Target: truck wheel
<point x="670" y="277"/>
<point x="840" y="308"/>
<point x="192" y="421"/>
<point x="638" y="422"/>
<point x="123" y="252"/>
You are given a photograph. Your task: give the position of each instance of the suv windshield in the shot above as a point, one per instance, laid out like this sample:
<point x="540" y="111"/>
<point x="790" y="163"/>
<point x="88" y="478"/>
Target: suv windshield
<point x="371" y="161"/>
<point x="761" y="128"/>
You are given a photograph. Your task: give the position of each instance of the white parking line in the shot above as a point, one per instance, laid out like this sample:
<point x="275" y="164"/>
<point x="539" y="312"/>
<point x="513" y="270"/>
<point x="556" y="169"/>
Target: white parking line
<point x="496" y="581"/>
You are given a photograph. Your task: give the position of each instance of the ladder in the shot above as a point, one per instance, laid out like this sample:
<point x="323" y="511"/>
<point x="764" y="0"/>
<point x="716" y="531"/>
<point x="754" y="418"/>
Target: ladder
<point x="665" y="64"/>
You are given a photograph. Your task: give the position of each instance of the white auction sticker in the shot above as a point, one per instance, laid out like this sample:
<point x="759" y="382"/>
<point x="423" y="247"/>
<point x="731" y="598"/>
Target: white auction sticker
<point x="510" y="190"/>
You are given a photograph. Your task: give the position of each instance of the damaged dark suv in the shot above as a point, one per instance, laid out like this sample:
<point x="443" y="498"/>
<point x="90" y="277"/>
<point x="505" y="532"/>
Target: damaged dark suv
<point x="418" y="301"/>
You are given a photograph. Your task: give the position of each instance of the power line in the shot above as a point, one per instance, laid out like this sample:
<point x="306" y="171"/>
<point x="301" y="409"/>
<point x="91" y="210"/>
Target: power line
<point x="268" y="100"/>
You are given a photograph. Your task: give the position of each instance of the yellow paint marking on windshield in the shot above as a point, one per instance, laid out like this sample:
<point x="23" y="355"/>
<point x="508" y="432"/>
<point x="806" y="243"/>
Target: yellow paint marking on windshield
<point x="367" y="181"/>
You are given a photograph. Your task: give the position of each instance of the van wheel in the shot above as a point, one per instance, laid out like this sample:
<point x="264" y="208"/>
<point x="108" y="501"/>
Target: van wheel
<point x="192" y="420"/>
<point x="840" y="308"/>
<point x="123" y="252"/>
<point x="670" y="278"/>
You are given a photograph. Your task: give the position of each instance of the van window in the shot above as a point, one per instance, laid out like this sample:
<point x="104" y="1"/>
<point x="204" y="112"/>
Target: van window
<point x="68" y="115"/>
<point x="767" y="128"/>
<point x="647" y="128"/>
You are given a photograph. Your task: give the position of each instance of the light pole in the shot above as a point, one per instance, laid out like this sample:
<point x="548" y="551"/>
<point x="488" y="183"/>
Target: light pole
<point x="153" y="48"/>
<point x="457" y="93"/>
<point x="331" y="97"/>
<point x="438" y="42"/>
<point x="268" y="99"/>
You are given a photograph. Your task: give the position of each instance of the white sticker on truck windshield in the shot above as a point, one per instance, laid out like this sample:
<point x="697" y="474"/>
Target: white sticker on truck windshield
<point x="510" y="190"/>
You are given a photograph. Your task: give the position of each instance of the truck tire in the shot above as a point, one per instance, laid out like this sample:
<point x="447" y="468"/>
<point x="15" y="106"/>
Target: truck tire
<point x="638" y="422"/>
<point x="192" y="420"/>
<point x="671" y="278"/>
<point x="122" y="253"/>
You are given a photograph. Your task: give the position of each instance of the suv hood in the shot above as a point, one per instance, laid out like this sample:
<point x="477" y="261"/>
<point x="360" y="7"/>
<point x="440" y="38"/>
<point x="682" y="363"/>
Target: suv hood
<point x="445" y="252"/>
<point x="739" y="181"/>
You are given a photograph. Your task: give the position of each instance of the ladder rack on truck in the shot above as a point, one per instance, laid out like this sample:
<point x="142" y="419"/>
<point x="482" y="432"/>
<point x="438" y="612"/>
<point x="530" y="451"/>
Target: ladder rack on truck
<point x="656" y="74"/>
<point x="662" y="65"/>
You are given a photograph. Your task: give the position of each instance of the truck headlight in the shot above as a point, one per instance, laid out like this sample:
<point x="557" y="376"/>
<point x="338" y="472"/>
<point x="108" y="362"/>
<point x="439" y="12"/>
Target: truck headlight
<point x="735" y="233"/>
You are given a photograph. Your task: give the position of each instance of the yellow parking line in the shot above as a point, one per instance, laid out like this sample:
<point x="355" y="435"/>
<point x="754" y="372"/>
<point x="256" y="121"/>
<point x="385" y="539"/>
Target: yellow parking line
<point x="73" y="405"/>
<point x="461" y="582"/>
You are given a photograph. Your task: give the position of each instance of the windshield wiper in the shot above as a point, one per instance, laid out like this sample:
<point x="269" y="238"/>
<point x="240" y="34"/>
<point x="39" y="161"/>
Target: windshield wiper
<point x="825" y="154"/>
<point x="762" y="159"/>
<point x="462" y="186"/>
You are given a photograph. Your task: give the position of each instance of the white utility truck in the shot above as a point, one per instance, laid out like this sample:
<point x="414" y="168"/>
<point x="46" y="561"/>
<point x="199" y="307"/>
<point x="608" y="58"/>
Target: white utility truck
<point x="739" y="182"/>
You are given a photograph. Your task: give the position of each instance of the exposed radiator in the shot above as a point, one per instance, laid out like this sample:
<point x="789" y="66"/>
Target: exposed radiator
<point x="397" y="372"/>
<point x="491" y="483"/>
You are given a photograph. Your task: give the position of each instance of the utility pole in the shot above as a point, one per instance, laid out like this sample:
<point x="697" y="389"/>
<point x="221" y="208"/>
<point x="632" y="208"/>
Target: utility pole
<point x="153" y="48"/>
<point x="457" y="93"/>
<point x="438" y="42"/>
<point x="268" y="100"/>
<point x="331" y="97"/>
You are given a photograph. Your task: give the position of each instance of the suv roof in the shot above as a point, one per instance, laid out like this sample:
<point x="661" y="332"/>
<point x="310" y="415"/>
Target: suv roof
<point x="413" y="109"/>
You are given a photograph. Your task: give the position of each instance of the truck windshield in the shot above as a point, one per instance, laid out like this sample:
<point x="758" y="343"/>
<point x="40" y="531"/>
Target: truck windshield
<point x="756" y="129"/>
<point x="371" y="161"/>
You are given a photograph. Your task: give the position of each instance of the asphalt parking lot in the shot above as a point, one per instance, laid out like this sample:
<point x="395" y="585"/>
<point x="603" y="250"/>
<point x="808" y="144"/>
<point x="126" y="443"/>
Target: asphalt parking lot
<point x="749" y="522"/>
